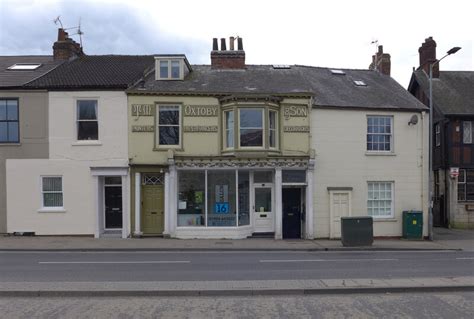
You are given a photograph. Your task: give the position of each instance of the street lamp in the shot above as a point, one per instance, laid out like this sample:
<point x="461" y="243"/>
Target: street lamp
<point x="430" y="184"/>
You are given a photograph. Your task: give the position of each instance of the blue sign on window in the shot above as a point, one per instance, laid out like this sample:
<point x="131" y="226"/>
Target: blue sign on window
<point x="221" y="208"/>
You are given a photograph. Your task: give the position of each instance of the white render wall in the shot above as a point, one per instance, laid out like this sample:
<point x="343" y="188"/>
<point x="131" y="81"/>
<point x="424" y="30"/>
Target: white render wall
<point x="339" y="139"/>
<point x="112" y="117"/>
<point x="72" y="160"/>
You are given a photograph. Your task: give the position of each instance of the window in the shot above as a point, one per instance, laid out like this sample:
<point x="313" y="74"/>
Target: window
<point x="24" y="66"/>
<point x="437" y="135"/>
<point x="168" y="125"/>
<point x="52" y="189"/>
<point x="359" y="83"/>
<point x="379" y="133"/>
<point x="466" y="185"/>
<point x="191" y="204"/>
<point x="229" y="129"/>
<point x="380" y="199"/>
<point x="170" y="69"/>
<point x="221" y="208"/>
<point x="467" y="132"/>
<point x="9" y="125"/>
<point x="272" y="129"/>
<point x="251" y="127"/>
<point x="87" y="125"/>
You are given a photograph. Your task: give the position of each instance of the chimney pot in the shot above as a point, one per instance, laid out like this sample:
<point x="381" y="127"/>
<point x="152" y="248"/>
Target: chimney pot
<point x="223" y="46"/>
<point x="214" y="44"/>
<point x="231" y="43"/>
<point x="240" y="45"/>
<point x="223" y="59"/>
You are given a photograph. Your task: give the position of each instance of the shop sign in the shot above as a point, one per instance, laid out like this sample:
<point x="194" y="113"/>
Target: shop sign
<point x="295" y="111"/>
<point x="200" y="110"/>
<point x="143" y="128"/>
<point x="221" y="208"/>
<point x="142" y="109"/>
<point x="454" y="172"/>
<point x="222" y="199"/>
<point x="296" y="129"/>
<point x="200" y="129"/>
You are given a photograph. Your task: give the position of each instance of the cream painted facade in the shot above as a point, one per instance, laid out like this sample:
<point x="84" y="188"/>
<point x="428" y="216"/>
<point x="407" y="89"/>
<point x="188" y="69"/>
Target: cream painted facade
<point x="84" y="166"/>
<point x="33" y="134"/>
<point x="344" y="168"/>
<point x="203" y="152"/>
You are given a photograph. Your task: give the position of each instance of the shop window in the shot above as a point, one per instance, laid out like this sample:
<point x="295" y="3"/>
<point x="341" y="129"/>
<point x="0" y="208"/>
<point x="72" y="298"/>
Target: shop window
<point x="191" y="200"/>
<point x="87" y="124"/>
<point x="221" y="195"/>
<point x="379" y="133"/>
<point x="294" y="176"/>
<point x="9" y="123"/>
<point x="244" y="198"/>
<point x="466" y="185"/>
<point x="52" y="191"/>
<point x="169" y="125"/>
<point x="380" y="199"/>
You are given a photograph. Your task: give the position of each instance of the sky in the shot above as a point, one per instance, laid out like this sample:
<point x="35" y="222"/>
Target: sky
<point x="330" y="33"/>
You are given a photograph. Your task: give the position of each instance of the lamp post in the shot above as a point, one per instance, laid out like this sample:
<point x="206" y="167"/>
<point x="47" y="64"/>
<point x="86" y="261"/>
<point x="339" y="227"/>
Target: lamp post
<point x="430" y="166"/>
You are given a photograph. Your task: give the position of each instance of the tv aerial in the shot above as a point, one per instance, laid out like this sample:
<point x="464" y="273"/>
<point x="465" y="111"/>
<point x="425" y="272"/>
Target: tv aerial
<point x="77" y="28"/>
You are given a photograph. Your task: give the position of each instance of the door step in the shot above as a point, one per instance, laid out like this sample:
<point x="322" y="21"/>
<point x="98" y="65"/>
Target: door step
<point x="263" y="235"/>
<point x="112" y="234"/>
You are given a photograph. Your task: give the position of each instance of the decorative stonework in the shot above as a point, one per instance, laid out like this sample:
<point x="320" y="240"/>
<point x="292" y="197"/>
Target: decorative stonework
<point x="243" y="163"/>
<point x="296" y="129"/>
<point x="200" y="129"/>
<point x="143" y="128"/>
<point x="143" y="109"/>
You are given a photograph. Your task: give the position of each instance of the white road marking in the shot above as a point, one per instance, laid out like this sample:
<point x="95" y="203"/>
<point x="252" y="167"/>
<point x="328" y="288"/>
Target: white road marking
<point x="321" y="260"/>
<point x="465" y="258"/>
<point x="118" y="262"/>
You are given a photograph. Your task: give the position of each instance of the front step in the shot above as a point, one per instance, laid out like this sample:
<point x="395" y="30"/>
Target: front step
<point x="263" y="235"/>
<point x="112" y="234"/>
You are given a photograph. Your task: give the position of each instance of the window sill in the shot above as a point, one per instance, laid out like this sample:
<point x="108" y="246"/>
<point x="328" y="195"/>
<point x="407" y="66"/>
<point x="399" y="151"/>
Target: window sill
<point x="380" y="154"/>
<point x="10" y="144"/>
<point x="87" y="143"/>
<point x="52" y="210"/>
<point x="388" y="219"/>
<point x="163" y="148"/>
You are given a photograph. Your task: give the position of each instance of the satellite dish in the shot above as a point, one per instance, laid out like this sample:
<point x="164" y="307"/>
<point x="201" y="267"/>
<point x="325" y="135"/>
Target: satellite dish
<point x="413" y="120"/>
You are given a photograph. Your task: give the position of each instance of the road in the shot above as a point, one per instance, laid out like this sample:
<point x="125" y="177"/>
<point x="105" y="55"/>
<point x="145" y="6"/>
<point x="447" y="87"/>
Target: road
<point x="419" y="305"/>
<point x="218" y="266"/>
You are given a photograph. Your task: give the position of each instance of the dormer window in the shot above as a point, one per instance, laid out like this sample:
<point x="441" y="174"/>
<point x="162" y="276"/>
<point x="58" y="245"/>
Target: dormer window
<point x="171" y="67"/>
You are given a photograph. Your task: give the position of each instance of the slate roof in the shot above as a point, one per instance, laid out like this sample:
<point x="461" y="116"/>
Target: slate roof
<point x="95" y="72"/>
<point x="329" y="90"/>
<point x="10" y="79"/>
<point x="453" y="91"/>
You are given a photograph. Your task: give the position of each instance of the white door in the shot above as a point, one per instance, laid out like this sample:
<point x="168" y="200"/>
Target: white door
<point x="340" y="206"/>
<point x="263" y="212"/>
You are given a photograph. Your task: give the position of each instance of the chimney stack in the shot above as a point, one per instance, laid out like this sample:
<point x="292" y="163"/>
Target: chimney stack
<point x="224" y="59"/>
<point x="65" y="48"/>
<point x="427" y="53"/>
<point x="381" y="62"/>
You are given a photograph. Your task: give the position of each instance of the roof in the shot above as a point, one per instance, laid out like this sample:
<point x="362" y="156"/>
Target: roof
<point x="16" y="78"/>
<point x="453" y="91"/>
<point x="96" y="72"/>
<point x="328" y="89"/>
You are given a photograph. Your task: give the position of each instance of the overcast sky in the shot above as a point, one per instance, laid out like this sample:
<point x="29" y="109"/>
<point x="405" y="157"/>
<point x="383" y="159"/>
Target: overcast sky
<point x="331" y="33"/>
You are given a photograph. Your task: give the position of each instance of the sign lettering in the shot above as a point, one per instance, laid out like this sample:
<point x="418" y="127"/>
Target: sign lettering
<point x="142" y="109"/>
<point x="198" y="110"/>
<point x="296" y="129"/>
<point x="143" y="128"/>
<point x="200" y="129"/>
<point x="295" y="111"/>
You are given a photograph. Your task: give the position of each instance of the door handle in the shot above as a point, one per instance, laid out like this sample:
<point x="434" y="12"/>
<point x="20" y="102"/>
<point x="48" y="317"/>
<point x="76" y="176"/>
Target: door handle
<point x="153" y="213"/>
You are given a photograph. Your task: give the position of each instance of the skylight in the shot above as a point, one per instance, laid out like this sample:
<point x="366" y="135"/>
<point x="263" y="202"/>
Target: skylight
<point x="281" y="66"/>
<point x="340" y="72"/>
<point x="24" y="66"/>
<point x="360" y="83"/>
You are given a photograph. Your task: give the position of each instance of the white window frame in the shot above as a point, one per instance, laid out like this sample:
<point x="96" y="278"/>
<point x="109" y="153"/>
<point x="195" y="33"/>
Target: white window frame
<point x="226" y="129"/>
<point x="274" y="129"/>
<point x="386" y="134"/>
<point x="51" y="208"/>
<point x="264" y="136"/>
<point x="467" y="139"/>
<point x="170" y="63"/>
<point x="157" y="126"/>
<point x="78" y="120"/>
<point x="392" y="200"/>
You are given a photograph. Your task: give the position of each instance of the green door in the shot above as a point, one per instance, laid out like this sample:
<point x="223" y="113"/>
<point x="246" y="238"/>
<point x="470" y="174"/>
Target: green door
<point x="153" y="217"/>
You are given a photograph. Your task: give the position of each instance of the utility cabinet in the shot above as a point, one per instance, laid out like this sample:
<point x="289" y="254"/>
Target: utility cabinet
<point x="413" y="224"/>
<point x="357" y="231"/>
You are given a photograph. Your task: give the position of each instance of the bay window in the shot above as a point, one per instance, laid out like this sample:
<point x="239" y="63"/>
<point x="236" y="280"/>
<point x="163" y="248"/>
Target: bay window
<point x="229" y="129"/>
<point x="272" y="129"/>
<point x="251" y="127"/>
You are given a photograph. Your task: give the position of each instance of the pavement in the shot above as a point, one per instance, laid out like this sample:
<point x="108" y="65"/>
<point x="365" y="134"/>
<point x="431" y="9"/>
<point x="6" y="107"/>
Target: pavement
<point x="444" y="239"/>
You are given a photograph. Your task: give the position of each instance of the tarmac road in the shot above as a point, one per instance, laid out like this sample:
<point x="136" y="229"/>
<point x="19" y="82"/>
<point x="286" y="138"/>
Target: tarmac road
<point x="218" y="266"/>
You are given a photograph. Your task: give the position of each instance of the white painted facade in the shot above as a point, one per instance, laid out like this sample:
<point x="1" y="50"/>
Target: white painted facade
<point x="344" y="168"/>
<point x="83" y="166"/>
